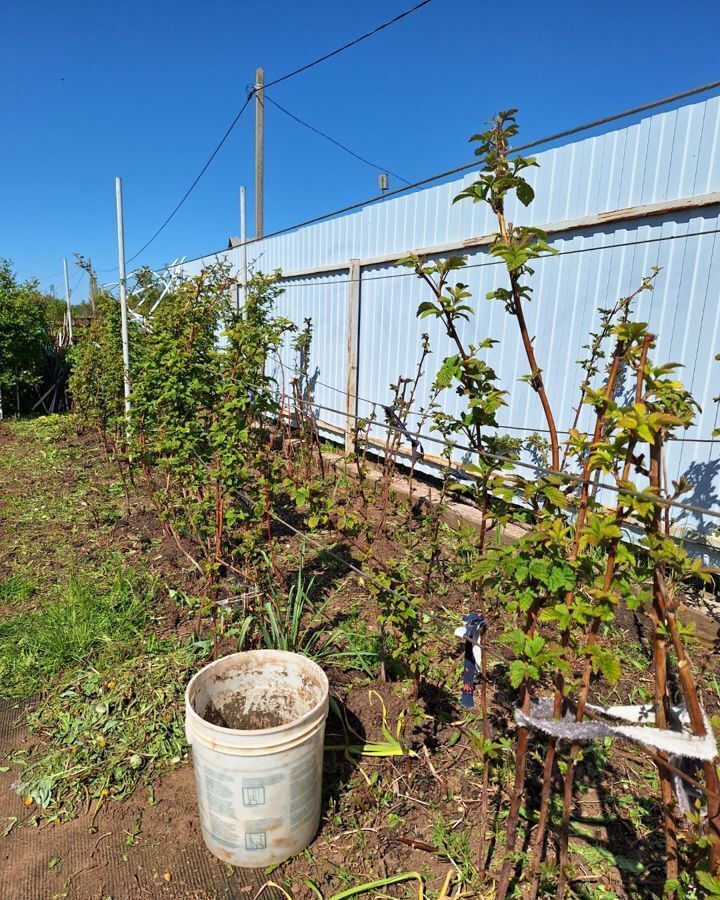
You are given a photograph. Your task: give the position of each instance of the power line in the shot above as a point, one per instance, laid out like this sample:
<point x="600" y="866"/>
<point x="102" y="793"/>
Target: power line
<point x="249" y="97"/>
<point x="48" y="277"/>
<point x="458" y="169"/>
<point x="197" y="178"/>
<point x="353" y="43"/>
<point x="464" y="168"/>
<point x="333" y="141"/>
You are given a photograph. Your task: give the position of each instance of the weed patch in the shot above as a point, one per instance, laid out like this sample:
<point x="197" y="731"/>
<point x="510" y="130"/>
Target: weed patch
<point x="92" y="617"/>
<point x="16" y="590"/>
<point x="107" y="730"/>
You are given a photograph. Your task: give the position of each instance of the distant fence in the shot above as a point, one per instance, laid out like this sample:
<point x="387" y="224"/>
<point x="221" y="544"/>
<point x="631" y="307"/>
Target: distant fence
<point x="614" y="206"/>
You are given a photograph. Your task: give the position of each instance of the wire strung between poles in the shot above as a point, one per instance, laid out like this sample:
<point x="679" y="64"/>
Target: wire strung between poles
<point x="543" y="470"/>
<point x="420" y="415"/>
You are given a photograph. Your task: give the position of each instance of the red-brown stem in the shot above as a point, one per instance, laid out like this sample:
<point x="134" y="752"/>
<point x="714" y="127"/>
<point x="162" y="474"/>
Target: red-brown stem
<point x="660" y="667"/>
<point x="271" y="543"/>
<point x="550" y="753"/>
<point x="219" y="519"/>
<point x="484" y="804"/>
<point x="591" y="637"/>
<point x="535" y="372"/>
<point x="523" y="736"/>
<point x="520" y="767"/>
<point x="665" y="607"/>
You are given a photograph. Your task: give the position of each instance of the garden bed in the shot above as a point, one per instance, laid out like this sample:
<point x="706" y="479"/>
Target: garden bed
<point x="381" y="816"/>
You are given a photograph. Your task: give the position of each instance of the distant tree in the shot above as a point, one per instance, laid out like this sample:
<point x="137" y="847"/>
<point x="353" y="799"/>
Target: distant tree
<point x="24" y="339"/>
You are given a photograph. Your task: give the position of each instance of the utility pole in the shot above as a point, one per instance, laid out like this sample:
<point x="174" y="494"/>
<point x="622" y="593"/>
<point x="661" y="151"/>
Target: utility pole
<point x="243" y="247"/>
<point x="123" y="298"/>
<point x="67" y="301"/>
<point x="259" y="149"/>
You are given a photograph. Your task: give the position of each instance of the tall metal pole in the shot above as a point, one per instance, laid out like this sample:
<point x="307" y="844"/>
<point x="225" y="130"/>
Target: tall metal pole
<point x="67" y="301"/>
<point x="93" y="287"/>
<point x="243" y="247"/>
<point x="123" y="296"/>
<point x="259" y="149"/>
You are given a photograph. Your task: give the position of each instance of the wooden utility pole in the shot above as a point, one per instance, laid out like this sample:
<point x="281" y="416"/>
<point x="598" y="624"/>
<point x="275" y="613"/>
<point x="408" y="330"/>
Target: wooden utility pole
<point x="259" y="149"/>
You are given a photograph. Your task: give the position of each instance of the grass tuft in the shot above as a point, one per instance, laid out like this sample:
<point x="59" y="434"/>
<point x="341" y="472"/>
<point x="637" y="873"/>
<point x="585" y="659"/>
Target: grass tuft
<point x="15" y="590"/>
<point x="94" y="617"/>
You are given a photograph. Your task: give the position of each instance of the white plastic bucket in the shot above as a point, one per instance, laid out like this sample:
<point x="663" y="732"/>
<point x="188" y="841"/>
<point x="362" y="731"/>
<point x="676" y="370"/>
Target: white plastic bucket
<point x="259" y="781"/>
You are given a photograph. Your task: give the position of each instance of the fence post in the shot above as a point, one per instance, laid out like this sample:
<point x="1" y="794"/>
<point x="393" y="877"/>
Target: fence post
<point x="353" y="341"/>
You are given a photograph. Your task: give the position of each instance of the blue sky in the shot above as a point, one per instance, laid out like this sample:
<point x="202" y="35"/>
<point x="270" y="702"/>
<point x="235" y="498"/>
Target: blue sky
<point x="145" y="90"/>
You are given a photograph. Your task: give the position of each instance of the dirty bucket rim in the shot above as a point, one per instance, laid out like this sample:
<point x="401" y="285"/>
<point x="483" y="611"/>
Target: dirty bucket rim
<point x="276" y="729"/>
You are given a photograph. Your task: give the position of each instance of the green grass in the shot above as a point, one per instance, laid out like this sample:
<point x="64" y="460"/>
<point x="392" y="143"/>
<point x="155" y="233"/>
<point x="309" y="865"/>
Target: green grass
<point x="297" y="623"/>
<point x="92" y="617"/>
<point x="16" y="590"/>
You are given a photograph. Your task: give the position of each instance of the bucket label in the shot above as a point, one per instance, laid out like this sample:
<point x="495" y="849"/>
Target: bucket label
<point x="253" y="789"/>
<point x="255" y="840"/>
<point x="219" y="797"/>
<point x="304" y="794"/>
<point x="253" y="796"/>
<point x="256" y="833"/>
<point x="223" y="832"/>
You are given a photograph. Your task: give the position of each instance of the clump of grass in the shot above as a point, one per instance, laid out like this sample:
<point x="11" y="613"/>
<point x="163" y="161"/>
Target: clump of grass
<point x="108" y="730"/>
<point x="92" y="617"/>
<point x="16" y="590"/>
<point x="294" y="623"/>
<point x="297" y="623"/>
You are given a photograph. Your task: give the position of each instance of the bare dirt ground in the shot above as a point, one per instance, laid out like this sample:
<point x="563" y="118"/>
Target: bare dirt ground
<point x="63" y="508"/>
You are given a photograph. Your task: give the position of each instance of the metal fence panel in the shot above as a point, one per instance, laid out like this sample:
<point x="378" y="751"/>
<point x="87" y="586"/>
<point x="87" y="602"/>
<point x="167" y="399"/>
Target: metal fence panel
<point x="663" y="159"/>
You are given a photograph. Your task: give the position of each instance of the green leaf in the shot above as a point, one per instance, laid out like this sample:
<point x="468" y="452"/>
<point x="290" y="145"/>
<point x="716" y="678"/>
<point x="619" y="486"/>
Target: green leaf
<point x="525" y="193"/>
<point x="520" y="670"/>
<point x="709" y="882"/>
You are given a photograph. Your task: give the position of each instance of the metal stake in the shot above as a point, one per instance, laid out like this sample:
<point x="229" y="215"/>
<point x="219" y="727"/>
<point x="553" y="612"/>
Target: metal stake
<point x="67" y="301"/>
<point x="259" y="150"/>
<point x="123" y="297"/>
<point x="243" y="247"/>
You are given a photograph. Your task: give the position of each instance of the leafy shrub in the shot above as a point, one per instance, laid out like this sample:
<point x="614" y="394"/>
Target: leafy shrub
<point x="24" y="339"/>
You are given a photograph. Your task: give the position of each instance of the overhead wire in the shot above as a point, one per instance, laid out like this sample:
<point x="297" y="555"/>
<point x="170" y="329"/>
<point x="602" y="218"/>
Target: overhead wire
<point x="197" y="179"/>
<point x="538" y="142"/>
<point x="249" y="97"/>
<point x="332" y="140"/>
<point x="353" y="43"/>
<point x="48" y="277"/>
<point x="569" y="132"/>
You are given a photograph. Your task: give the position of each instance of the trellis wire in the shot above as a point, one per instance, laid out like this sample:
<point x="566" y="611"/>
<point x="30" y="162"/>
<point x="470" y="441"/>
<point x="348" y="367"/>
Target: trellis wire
<point x="543" y="470"/>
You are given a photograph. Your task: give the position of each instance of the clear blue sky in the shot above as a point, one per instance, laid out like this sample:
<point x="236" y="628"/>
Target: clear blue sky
<point x="145" y="90"/>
